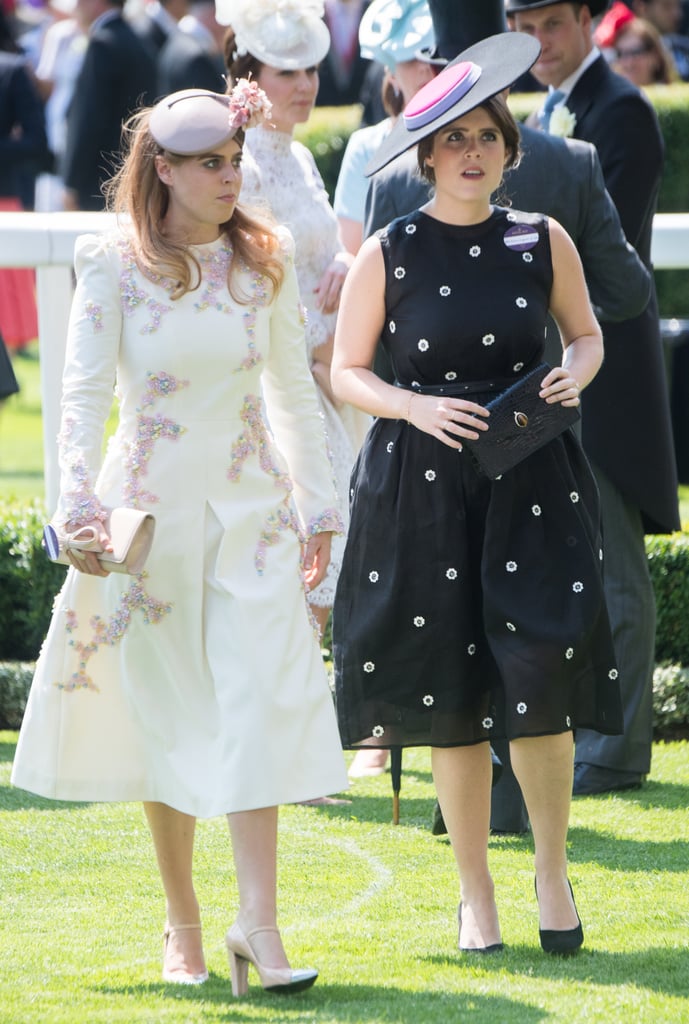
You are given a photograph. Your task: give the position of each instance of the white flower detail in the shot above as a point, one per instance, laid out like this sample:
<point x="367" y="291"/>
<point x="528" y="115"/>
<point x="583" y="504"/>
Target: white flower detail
<point x="392" y="326"/>
<point x="577" y="586"/>
<point x="562" y="122"/>
<point x="400" y="273"/>
<point x="568" y="721"/>
<point x="521" y="302"/>
<point x="428" y="700"/>
<point x="511" y="216"/>
<point x="475" y="250"/>
<point x="527" y="257"/>
<point x="451" y="574"/>
<point x="517" y="367"/>
<point x="488" y="339"/>
<point x="487" y="722"/>
<point x="511" y="626"/>
<point x="471" y="649"/>
<point x="444" y="290"/>
<point x="423" y="345"/>
<point x="373" y="576"/>
<point x="430" y="475"/>
<point x="369" y="666"/>
<point x="415" y="384"/>
<point x="521" y="707"/>
<point x="536" y="509"/>
<point x="419" y="621"/>
<point x="377" y="731"/>
<point x="612" y="674"/>
<point x="511" y="566"/>
<point x="389" y="446"/>
<point x="450" y="375"/>
<point x="410" y="229"/>
<point x="600" y="554"/>
<point x="574" y="497"/>
<point x="569" y="653"/>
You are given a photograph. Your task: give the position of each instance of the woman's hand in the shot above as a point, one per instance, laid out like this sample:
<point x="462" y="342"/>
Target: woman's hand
<point x="329" y="288"/>
<point x="87" y="561"/>
<point x="560" y="386"/>
<point x="316" y="558"/>
<point x="448" y="419"/>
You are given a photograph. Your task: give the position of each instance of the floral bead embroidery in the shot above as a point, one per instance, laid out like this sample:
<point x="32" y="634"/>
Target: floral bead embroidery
<point x="487" y="722"/>
<point x="373" y="576"/>
<point x="369" y="667"/>
<point x="410" y="229"/>
<point x="399" y="272"/>
<point x="451" y="574"/>
<point x="521" y="302"/>
<point x="521" y="707"/>
<point x="94" y="313"/>
<point x="536" y="510"/>
<point x="577" y="587"/>
<point x="327" y="521"/>
<point x="109" y="633"/>
<point x="131" y="296"/>
<point x="511" y="566"/>
<point x="511" y="626"/>
<point x="450" y="375"/>
<point x="81" y="503"/>
<point x="254" y="438"/>
<point x="488" y="339"/>
<point x="430" y="475"/>
<point x="612" y="674"/>
<point x="419" y="621"/>
<point x="429" y="700"/>
<point x="475" y="251"/>
<point x="569" y="653"/>
<point x="160" y="385"/>
<point x="445" y="290"/>
<point x="214" y="271"/>
<point x="527" y="257"/>
<point x="377" y="730"/>
<point x="471" y="650"/>
<point x="276" y="523"/>
<point x="423" y="345"/>
<point x="259" y="294"/>
<point x="517" y="367"/>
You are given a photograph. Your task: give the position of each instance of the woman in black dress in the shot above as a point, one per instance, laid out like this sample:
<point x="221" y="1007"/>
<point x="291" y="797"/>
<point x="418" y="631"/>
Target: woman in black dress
<point x="468" y="607"/>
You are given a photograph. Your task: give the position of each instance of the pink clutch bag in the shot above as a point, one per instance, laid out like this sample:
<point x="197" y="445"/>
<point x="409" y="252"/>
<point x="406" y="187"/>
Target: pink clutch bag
<point x="131" y="532"/>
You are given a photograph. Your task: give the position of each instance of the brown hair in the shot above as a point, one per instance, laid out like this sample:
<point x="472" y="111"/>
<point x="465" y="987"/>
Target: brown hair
<point x="137" y="190"/>
<point x="392" y="97"/>
<point x="246" y="66"/>
<point x="665" y="70"/>
<point x="496" y="107"/>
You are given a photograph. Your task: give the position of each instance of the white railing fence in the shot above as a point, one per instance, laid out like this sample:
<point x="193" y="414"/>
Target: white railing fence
<point x="46" y="241"/>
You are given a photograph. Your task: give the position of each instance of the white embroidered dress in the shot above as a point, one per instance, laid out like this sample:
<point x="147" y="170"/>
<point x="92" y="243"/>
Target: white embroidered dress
<point x="199" y="683"/>
<point x="282" y="173"/>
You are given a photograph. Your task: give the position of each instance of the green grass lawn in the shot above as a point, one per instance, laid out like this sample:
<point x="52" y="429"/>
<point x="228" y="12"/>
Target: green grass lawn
<point x="373" y="906"/>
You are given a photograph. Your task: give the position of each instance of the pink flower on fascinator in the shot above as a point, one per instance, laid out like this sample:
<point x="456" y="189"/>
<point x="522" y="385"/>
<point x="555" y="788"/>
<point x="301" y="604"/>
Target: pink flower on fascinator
<point x="249" y="106"/>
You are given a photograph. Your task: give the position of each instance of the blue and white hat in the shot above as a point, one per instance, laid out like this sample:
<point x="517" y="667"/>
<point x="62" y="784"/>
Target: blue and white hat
<point x="394" y="31"/>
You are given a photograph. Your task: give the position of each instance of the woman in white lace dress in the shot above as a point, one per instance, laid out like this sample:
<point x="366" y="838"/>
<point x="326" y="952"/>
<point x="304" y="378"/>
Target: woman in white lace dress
<point x="279" y="45"/>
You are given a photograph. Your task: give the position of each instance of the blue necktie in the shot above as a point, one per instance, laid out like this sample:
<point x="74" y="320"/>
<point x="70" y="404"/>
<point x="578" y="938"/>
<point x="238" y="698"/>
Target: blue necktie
<point x="552" y="99"/>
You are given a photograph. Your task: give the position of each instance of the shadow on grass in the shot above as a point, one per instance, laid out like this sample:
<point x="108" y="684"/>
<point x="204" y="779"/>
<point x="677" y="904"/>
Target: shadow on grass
<point x="657" y="968"/>
<point x="353" y="1003"/>
<point x="618" y="853"/>
<point x="7" y="752"/>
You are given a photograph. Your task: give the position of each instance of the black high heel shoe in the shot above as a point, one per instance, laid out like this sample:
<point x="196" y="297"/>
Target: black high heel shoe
<point x="496" y="947"/>
<point x="562" y="941"/>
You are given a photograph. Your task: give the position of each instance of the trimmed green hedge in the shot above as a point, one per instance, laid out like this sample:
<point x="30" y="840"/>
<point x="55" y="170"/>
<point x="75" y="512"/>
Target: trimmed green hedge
<point x="29" y="582"/>
<point x="329" y="128"/>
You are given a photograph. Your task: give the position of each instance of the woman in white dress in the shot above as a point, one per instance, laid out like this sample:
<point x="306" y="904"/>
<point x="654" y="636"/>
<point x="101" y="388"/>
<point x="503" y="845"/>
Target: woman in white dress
<point x="198" y="685"/>
<point x="279" y="44"/>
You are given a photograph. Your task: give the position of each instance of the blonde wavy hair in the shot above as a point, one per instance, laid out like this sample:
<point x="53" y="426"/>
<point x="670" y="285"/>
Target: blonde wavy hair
<point x="137" y="190"/>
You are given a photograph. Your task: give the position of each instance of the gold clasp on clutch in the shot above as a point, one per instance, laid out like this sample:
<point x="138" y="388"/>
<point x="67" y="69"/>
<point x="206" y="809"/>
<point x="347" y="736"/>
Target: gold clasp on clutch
<point x="521" y="419"/>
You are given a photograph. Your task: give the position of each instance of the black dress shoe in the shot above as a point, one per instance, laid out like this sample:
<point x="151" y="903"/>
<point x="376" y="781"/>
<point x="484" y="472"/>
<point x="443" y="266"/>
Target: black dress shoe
<point x="589" y="779"/>
<point x="562" y="941"/>
<point x="438" y="827"/>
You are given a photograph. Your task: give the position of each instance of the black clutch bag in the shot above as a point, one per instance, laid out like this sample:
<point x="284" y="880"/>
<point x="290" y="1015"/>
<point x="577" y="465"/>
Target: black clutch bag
<point x="520" y="423"/>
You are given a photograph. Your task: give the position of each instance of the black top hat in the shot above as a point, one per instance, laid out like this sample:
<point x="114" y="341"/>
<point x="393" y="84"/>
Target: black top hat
<point x="458" y="24"/>
<point x="478" y="73"/>
<point x="515" y="6"/>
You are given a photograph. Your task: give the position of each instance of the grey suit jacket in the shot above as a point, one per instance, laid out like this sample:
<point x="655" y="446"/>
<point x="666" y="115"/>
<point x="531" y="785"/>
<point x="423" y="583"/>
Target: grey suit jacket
<point x="560" y="178"/>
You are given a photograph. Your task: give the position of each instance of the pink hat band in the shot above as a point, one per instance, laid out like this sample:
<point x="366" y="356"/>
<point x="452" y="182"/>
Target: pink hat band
<point x="440" y="94"/>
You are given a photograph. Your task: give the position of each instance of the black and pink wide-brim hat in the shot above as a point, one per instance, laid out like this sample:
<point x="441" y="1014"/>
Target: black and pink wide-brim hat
<point x="479" y="72"/>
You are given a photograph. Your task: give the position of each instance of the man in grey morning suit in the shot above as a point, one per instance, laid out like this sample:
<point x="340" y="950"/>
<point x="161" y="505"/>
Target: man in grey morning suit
<point x="557" y="177"/>
<point x="625" y="413"/>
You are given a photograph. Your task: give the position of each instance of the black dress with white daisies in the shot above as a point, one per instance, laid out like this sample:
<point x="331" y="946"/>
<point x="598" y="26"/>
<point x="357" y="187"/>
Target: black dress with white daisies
<point x="469" y="608"/>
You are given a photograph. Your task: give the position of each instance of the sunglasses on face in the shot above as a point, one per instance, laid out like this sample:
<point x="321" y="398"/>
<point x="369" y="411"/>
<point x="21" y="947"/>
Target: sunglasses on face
<point x="636" y="51"/>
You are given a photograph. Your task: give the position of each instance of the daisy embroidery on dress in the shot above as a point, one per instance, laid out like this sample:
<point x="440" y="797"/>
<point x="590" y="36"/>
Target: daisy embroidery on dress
<point x="577" y="587"/>
<point x="475" y="251"/>
<point x="527" y="257"/>
<point x="410" y="229"/>
<point x="400" y="272"/>
<point x="521" y="707"/>
<point x="451" y="574"/>
<point x="511" y="566"/>
<point x="511" y="626"/>
<point x="428" y="700"/>
<point x="373" y="576"/>
<point x="445" y="290"/>
<point x="521" y="302"/>
<point x="569" y="653"/>
<point x="423" y="345"/>
<point x="369" y="667"/>
<point x="450" y="375"/>
<point x="487" y="722"/>
<point x="488" y="339"/>
<point x="419" y="621"/>
<point x="517" y="367"/>
<point x="377" y="731"/>
<point x="430" y="475"/>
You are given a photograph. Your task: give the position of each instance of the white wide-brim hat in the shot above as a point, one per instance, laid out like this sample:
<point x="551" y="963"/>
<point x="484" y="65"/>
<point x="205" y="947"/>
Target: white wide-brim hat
<point x="479" y="72"/>
<point x="285" y="34"/>
<point x="394" y="31"/>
